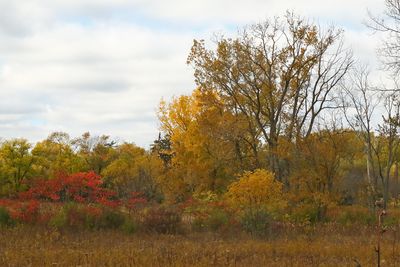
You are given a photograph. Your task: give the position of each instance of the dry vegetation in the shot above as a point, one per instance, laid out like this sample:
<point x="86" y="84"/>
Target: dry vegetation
<point x="326" y="245"/>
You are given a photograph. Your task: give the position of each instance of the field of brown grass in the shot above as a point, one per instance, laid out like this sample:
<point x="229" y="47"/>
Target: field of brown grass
<point x="325" y="245"/>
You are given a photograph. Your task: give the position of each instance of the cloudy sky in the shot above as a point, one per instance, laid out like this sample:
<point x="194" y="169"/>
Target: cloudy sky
<point x="103" y="65"/>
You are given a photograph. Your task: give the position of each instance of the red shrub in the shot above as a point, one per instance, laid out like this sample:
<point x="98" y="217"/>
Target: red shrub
<point x="82" y="187"/>
<point x="136" y="200"/>
<point x="93" y="211"/>
<point x="163" y="220"/>
<point x="24" y="211"/>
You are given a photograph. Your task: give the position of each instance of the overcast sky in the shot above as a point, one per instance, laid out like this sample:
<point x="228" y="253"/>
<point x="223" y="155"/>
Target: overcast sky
<point x="103" y="66"/>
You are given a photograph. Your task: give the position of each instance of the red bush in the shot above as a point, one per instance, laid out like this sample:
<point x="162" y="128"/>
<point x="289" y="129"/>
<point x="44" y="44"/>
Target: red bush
<point x="93" y="211"/>
<point x="82" y="187"/>
<point x="136" y="200"/>
<point x="27" y="212"/>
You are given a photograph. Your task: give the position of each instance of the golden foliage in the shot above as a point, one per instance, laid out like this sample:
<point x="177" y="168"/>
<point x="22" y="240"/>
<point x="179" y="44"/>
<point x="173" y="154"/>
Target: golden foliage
<point x="206" y="143"/>
<point x="256" y="190"/>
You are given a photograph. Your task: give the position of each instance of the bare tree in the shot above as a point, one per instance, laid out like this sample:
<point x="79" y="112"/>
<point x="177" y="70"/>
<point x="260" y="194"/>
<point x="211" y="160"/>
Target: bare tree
<point x="381" y="147"/>
<point x="389" y="24"/>
<point x="359" y="103"/>
<point x="388" y="144"/>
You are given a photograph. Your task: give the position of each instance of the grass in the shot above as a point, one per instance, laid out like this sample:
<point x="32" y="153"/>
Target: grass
<point x="325" y="245"/>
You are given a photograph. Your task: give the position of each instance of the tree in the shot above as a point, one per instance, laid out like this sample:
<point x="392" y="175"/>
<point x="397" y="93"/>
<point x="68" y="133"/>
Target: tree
<point x="55" y="155"/>
<point x="389" y="24"/>
<point x="361" y="99"/>
<point x="388" y="147"/>
<point x="133" y="170"/>
<point x="16" y="163"/>
<point x="207" y="142"/>
<point x="97" y="151"/>
<point x="162" y="147"/>
<point x="381" y="147"/>
<point x="281" y="75"/>
<point x="319" y="167"/>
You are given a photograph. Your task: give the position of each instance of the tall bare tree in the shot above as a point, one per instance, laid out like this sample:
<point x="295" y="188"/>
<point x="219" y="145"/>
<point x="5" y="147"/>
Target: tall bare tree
<point x="360" y="102"/>
<point x="387" y="153"/>
<point x="389" y="24"/>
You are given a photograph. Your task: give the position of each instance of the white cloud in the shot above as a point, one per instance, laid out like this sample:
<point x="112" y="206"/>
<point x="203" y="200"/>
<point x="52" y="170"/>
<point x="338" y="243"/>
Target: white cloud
<point x="102" y="66"/>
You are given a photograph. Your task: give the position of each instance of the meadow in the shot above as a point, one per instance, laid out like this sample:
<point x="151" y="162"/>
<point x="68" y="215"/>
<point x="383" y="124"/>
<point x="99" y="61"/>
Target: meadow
<point x="326" y="245"/>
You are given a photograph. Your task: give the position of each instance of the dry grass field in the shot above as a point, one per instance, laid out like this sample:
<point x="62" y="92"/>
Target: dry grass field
<point x="325" y="245"/>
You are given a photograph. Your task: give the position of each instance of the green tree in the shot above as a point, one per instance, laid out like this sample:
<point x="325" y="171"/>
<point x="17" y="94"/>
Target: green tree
<point x="55" y="155"/>
<point x="16" y="164"/>
<point x="97" y="151"/>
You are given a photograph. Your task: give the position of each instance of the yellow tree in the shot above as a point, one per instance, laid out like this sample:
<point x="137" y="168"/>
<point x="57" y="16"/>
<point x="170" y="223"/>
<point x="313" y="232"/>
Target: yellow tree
<point x="207" y="143"/>
<point x="256" y="191"/>
<point x="319" y="165"/>
<point x="323" y="155"/>
<point x="281" y="75"/>
<point x="256" y="196"/>
<point x="133" y="170"/>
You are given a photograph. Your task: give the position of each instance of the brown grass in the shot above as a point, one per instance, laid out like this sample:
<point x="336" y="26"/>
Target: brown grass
<point x="328" y="245"/>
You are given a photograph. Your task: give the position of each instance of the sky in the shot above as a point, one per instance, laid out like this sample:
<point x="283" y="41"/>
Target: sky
<point x="103" y="66"/>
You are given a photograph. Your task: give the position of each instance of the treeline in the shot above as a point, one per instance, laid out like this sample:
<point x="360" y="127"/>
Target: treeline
<point x="286" y="95"/>
<point x="282" y="117"/>
<point x="124" y="167"/>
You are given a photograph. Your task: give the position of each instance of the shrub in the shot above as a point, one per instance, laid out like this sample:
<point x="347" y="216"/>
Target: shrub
<point x="217" y="219"/>
<point x="306" y="212"/>
<point x="76" y="217"/>
<point x="73" y="216"/>
<point x="129" y="226"/>
<point x="163" y="220"/>
<point x="79" y="187"/>
<point x="255" y="222"/>
<point x="27" y="212"/>
<point x="5" y="218"/>
<point x="390" y="221"/>
<point x="206" y="212"/>
<point x="306" y="207"/>
<point x="198" y="224"/>
<point x="110" y="220"/>
<point x="60" y="219"/>
<point x="256" y="190"/>
<point x="356" y="215"/>
<point x="135" y="201"/>
<point x="90" y="217"/>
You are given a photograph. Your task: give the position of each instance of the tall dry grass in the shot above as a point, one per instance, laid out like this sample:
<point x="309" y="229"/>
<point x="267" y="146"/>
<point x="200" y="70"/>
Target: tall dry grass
<point x="323" y="245"/>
